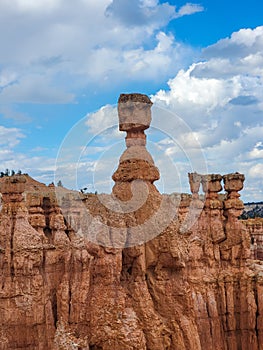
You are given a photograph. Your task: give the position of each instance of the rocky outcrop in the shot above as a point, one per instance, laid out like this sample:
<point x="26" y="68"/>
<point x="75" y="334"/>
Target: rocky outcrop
<point x="255" y="229"/>
<point x="130" y="270"/>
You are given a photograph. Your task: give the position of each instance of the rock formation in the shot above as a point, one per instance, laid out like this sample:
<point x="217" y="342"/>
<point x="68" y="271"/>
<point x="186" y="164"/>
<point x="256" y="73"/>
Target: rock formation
<point x="255" y="229"/>
<point x="130" y="270"/>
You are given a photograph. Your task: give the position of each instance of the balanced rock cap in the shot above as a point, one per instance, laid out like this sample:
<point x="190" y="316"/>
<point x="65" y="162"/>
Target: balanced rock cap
<point x="134" y="112"/>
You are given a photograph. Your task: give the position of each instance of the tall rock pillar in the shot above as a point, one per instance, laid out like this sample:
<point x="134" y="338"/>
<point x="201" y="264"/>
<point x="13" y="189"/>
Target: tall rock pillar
<point x="213" y="206"/>
<point x="136" y="163"/>
<point x="237" y="245"/>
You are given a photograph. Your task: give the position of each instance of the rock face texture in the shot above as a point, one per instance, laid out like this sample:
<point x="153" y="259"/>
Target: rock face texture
<point x="255" y="229"/>
<point x="130" y="270"/>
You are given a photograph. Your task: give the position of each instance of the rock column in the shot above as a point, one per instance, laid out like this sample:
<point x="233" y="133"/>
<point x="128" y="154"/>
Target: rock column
<point x="36" y="213"/>
<point x="57" y="224"/>
<point x="13" y="203"/>
<point x="213" y="206"/>
<point x="135" y="163"/>
<point x="196" y="204"/>
<point x="237" y="245"/>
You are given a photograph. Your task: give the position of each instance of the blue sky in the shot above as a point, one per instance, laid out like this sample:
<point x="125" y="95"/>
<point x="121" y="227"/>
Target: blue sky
<point x="63" y="65"/>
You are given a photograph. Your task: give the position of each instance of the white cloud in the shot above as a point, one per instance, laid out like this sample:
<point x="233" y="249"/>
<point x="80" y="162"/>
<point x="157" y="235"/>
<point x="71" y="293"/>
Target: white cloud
<point x="207" y="93"/>
<point x="241" y="44"/>
<point x="257" y="151"/>
<point x="256" y="171"/>
<point x="136" y="64"/>
<point x="34" y="89"/>
<point x="9" y="137"/>
<point x="105" y="118"/>
<point x="48" y="48"/>
<point x="149" y="3"/>
<point x="221" y="100"/>
<point x="189" y="9"/>
<point x="239" y="55"/>
<point x="7" y="77"/>
<point x="140" y="13"/>
<point x="10" y="112"/>
<point x="31" y="5"/>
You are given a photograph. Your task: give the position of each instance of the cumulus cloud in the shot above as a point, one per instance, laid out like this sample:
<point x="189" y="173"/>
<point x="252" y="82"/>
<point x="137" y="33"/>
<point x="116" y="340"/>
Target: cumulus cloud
<point x="148" y="12"/>
<point x="257" y="151"/>
<point x="221" y="99"/>
<point x="140" y="13"/>
<point x="241" y="44"/>
<point x="106" y="117"/>
<point x="240" y="54"/>
<point x="49" y="51"/>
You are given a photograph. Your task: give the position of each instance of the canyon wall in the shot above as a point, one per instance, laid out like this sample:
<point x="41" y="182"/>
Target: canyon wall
<point x="130" y="270"/>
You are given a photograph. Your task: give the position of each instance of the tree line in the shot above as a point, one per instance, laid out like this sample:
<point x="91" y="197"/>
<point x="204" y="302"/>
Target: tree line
<point x="8" y="172"/>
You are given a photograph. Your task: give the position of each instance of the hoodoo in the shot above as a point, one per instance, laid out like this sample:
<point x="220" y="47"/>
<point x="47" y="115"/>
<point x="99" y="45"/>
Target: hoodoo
<point x="135" y="269"/>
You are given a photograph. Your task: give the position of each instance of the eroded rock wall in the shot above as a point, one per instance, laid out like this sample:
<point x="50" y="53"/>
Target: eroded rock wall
<point x="177" y="291"/>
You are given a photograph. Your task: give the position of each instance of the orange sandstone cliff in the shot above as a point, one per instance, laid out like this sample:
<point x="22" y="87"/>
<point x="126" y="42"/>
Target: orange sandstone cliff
<point x="130" y="270"/>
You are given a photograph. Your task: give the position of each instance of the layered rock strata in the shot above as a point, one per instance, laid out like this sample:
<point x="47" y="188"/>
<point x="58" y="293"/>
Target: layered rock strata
<point x="131" y="270"/>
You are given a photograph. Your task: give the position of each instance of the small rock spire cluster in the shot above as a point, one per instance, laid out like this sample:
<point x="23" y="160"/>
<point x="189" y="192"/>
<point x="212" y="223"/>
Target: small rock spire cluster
<point x="219" y="217"/>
